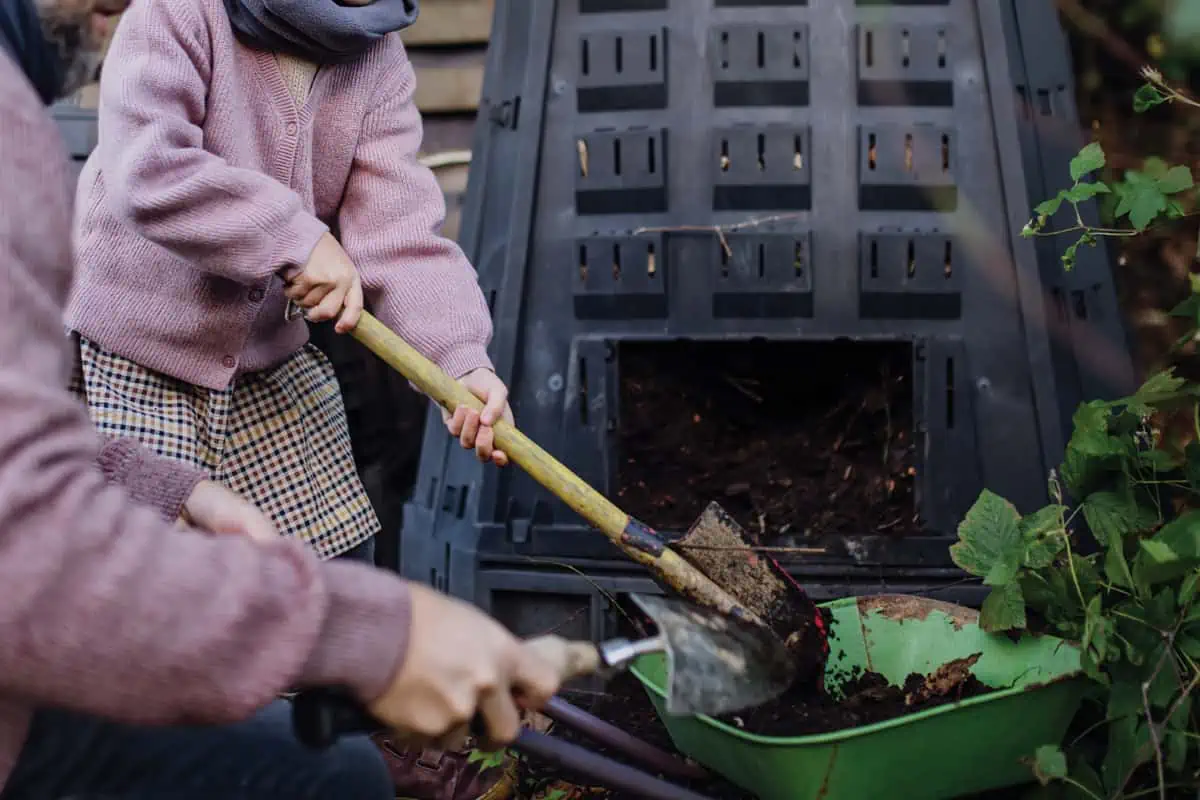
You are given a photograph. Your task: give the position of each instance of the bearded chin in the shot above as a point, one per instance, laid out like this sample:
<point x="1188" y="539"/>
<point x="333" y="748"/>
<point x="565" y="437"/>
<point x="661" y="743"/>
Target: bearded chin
<point x="80" y="69"/>
<point x="72" y="42"/>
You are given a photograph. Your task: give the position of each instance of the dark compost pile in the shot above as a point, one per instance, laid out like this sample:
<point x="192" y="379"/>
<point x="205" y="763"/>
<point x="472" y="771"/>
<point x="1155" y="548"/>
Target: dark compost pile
<point x="790" y="437"/>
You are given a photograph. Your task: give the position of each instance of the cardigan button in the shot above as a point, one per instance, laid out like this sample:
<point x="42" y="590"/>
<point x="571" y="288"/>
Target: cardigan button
<point x="291" y="129"/>
<point x="256" y="295"/>
<point x="229" y="362"/>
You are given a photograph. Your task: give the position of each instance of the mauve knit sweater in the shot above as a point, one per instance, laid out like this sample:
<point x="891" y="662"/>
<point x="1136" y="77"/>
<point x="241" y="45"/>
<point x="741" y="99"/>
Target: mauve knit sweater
<point x="208" y="184"/>
<point x="105" y="607"/>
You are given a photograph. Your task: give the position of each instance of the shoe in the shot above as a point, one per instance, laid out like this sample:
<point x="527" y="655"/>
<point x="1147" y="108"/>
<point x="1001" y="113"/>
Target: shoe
<point x="466" y="774"/>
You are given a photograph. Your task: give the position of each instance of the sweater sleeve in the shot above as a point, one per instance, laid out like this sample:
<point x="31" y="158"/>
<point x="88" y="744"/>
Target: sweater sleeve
<point x="418" y="282"/>
<point x="108" y="609"/>
<point x="233" y="222"/>
<point x="159" y="483"/>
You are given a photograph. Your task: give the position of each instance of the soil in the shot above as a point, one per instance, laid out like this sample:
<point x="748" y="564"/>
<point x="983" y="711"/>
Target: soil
<point x="797" y="438"/>
<point x="867" y="699"/>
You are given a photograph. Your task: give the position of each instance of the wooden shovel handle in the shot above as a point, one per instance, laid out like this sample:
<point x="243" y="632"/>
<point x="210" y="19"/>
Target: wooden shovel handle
<point x="637" y="541"/>
<point x="450" y="394"/>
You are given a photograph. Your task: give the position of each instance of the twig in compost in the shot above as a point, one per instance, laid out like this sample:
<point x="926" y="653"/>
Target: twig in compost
<point x="736" y="384"/>
<point x="809" y="551"/>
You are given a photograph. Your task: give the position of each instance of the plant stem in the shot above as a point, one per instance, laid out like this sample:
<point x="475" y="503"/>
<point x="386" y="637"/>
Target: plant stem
<point x="1071" y="567"/>
<point x="1081" y="788"/>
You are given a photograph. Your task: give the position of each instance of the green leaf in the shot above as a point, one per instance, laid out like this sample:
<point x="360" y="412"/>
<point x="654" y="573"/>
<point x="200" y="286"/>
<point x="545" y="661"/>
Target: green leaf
<point x="1146" y="97"/>
<point x="1043" y="535"/>
<point x="1153" y="168"/>
<point x="1040" y="553"/>
<point x="1112" y="515"/>
<point x="990" y="544"/>
<point x="1086" y="574"/>
<point x="1095" y="628"/>
<point x="1047" y="519"/>
<point x="1177" y="179"/>
<point x="1188" y="308"/>
<point x="1069" y="255"/>
<point x="1189" y="644"/>
<point x="1003" y="609"/>
<point x="1156" y="461"/>
<point x="1124" y="698"/>
<point x="1187" y="589"/>
<point x="1160" y="610"/>
<point x="1127" y="738"/>
<point x="1116" y="568"/>
<point x="1140" y="199"/>
<point x="1164" y="684"/>
<point x="1049" y="763"/>
<point x="1089" y="159"/>
<point x="1086" y="191"/>
<point x="488" y="759"/>
<point x="1176" y="746"/>
<point x="1047" y="208"/>
<point x="1170" y="553"/>
<point x="1142" y="636"/>
<point x="1091" y="435"/>
<point x="1049" y="594"/>
<point x="1160" y="387"/>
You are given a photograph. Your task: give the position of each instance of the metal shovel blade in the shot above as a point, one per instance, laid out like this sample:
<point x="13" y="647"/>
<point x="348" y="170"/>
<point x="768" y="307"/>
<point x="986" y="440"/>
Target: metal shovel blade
<point x="716" y="664"/>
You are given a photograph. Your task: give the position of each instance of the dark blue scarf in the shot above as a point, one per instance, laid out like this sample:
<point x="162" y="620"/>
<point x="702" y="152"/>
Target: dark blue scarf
<point x="320" y="31"/>
<point x="21" y="36"/>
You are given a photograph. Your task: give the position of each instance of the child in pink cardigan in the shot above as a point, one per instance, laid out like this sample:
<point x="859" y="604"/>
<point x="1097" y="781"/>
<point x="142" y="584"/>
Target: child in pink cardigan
<point x="252" y="151"/>
<point x="141" y="658"/>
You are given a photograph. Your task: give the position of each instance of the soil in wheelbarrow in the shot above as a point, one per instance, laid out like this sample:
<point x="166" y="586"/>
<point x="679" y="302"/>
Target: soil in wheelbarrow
<point x="867" y="698"/>
<point x="792" y="438"/>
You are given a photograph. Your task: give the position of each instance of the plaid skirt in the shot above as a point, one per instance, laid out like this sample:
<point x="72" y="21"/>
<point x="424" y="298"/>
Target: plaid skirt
<point x="278" y="437"/>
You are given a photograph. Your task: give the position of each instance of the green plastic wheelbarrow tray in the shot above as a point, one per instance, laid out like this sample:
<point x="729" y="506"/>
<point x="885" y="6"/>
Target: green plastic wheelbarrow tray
<point x="977" y="744"/>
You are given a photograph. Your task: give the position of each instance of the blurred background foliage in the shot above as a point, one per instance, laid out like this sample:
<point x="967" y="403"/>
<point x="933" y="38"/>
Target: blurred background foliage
<point x="1111" y="41"/>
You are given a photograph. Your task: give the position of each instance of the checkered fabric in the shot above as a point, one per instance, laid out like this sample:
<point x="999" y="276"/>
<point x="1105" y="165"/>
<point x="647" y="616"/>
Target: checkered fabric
<point x="278" y="437"/>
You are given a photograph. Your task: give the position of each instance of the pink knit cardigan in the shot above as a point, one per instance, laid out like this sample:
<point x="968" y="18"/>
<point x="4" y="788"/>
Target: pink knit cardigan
<point x="208" y="183"/>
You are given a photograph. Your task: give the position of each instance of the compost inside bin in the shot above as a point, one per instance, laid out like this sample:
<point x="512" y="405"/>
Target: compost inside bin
<point x="790" y="437"/>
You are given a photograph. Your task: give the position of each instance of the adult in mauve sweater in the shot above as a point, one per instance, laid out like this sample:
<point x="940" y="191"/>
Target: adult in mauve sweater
<point x="139" y="658"/>
<point x="252" y="151"/>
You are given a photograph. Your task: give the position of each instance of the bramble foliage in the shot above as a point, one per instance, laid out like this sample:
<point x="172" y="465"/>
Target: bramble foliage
<point x="1132" y="484"/>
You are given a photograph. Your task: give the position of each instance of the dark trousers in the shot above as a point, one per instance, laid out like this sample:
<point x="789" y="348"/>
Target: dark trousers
<point x="71" y="755"/>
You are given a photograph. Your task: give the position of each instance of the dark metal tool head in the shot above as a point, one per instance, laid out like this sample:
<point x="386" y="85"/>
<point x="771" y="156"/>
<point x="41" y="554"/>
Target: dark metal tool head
<point x="716" y="664"/>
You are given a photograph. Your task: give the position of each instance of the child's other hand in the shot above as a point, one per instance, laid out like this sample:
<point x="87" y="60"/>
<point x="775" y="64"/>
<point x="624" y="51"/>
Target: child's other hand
<point x="217" y="510"/>
<point x="474" y="428"/>
<point x="328" y="287"/>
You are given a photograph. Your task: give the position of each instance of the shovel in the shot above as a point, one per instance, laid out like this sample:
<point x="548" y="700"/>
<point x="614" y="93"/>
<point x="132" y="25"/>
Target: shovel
<point x="718" y="568"/>
<point x="716" y="664"/>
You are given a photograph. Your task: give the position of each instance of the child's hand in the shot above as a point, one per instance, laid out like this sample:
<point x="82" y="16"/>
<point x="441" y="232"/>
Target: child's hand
<point x="328" y="286"/>
<point x="214" y="509"/>
<point x="474" y="428"/>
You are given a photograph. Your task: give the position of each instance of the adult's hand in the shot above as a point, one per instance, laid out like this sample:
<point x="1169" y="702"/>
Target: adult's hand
<point x="215" y="509"/>
<point x="461" y="662"/>
<point x="328" y="286"/>
<point x="474" y="428"/>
